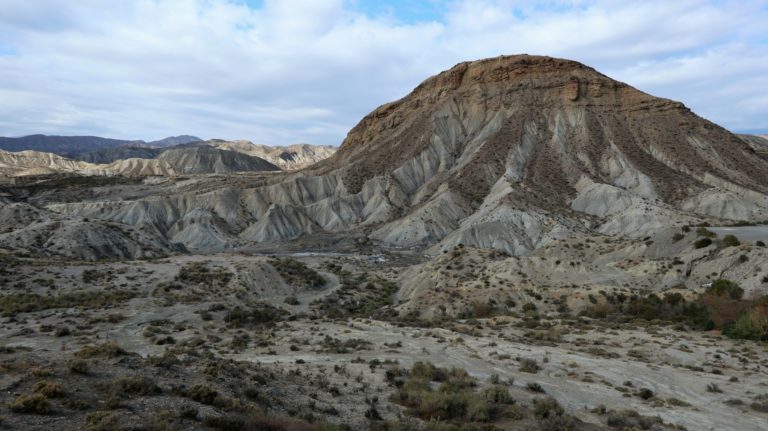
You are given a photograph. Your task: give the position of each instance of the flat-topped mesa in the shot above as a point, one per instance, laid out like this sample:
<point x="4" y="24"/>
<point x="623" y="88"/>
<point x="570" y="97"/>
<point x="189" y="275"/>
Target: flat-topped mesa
<point x="515" y="71"/>
<point x="585" y="111"/>
<point x="553" y="79"/>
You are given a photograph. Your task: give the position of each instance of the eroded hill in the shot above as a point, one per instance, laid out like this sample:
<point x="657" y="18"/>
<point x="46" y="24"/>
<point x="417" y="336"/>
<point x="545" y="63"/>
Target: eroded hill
<point x="509" y="153"/>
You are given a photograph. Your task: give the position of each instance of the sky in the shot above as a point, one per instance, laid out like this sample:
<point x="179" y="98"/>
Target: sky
<point x="279" y="72"/>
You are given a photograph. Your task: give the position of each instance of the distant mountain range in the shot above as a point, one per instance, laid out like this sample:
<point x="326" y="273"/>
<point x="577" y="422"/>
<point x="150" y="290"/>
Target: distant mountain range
<point x="70" y="146"/>
<point x="173" y="140"/>
<point x="174" y="161"/>
<point x="177" y="155"/>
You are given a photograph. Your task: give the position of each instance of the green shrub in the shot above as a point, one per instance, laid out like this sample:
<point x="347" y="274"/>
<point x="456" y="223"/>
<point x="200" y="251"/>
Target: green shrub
<point x="77" y="404"/>
<point x="78" y="366"/>
<point x="137" y="385"/>
<point x="254" y="315"/>
<point x="479" y="410"/>
<point x="198" y="273"/>
<point x="528" y="365"/>
<point x="731" y="241"/>
<point x="357" y="297"/>
<point x="335" y="345"/>
<point x="723" y="287"/>
<point x="203" y="394"/>
<point x="672" y="307"/>
<point x="92" y="276"/>
<point x="645" y="393"/>
<point x="713" y="388"/>
<point x="703" y="242"/>
<point x="738" y="318"/>
<point x="28" y="302"/>
<point x="443" y="405"/>
<point x="498" y="394"/>
<point x="760" y="405"/>
<point x="599" y="311"/>
<point x="752" y="325"/>
<point x="454" y="399"/>
<point x="547" y="407"/>
<point x="292" y="300"/>
<point x="706" y="233"/>
<point x="428" y="371"/>
<point x="101" y="421"/>
<point x="225" y="423"/>
<point x="297" y="274"/>
<point x="675" y="402"/>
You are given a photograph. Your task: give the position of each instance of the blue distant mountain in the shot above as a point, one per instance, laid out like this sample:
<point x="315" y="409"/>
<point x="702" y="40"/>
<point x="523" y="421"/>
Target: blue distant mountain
<point x="73" y="146"/>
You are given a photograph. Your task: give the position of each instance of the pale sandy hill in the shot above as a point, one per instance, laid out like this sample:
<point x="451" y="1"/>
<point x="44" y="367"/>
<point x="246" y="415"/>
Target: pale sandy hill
<point x="292" y="157"/>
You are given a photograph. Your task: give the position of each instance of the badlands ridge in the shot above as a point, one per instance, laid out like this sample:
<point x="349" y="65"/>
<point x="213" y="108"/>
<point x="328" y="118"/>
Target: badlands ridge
<point x="510" y="153"/>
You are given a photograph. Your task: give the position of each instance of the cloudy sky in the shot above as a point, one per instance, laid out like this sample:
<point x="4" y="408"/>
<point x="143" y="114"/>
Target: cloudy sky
<point x="286" y="71"/>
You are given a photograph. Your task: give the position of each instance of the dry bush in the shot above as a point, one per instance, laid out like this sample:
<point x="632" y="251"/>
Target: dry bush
<point x="49" y="389"/>
<point x="31" y="403"/>
<point x="110" y="349"/>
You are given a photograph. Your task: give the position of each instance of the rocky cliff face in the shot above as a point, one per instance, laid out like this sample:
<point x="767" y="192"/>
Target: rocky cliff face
<point x="509" y="153"/>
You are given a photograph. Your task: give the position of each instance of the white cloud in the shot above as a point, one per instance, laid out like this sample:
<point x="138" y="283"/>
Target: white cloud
<point x="306" y="70"/>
